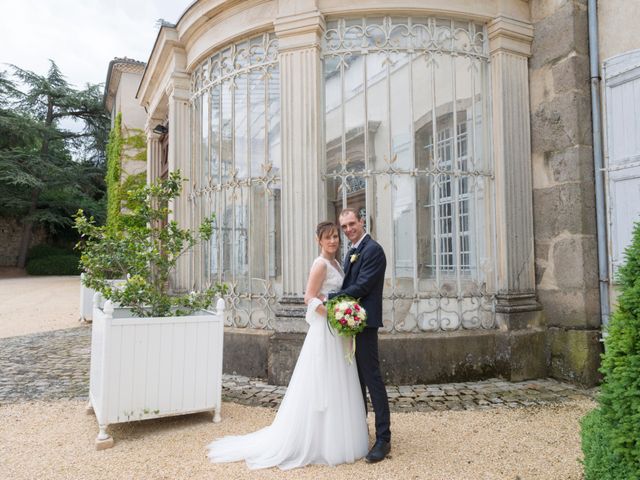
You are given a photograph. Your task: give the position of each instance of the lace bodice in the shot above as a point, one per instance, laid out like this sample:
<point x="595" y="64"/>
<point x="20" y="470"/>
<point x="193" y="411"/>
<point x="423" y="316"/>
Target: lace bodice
<point x="333" y="280"/>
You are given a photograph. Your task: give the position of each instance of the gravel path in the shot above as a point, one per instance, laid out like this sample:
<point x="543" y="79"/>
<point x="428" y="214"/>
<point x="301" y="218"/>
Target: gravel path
<point x="37" y="304"/>
<point x="55" y="441"/>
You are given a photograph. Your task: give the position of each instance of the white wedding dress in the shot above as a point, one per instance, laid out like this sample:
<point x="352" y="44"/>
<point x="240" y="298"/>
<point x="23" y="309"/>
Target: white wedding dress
<point x="321" y="418"/>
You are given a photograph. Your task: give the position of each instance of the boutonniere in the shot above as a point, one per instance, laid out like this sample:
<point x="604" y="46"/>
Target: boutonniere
<point x="354" y="257"/>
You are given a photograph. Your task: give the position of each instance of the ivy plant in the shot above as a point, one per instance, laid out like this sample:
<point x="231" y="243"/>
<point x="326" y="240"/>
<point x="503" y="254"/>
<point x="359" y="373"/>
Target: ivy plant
<point x="143" y="249"/>
<point x="124" y="144"/>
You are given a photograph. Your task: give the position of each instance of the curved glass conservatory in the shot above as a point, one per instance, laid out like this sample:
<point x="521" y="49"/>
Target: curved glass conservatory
<point x="283" y="113"/>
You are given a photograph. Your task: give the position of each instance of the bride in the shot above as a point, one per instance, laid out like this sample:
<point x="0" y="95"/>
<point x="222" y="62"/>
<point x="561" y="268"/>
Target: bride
<point x="322" y="417"/>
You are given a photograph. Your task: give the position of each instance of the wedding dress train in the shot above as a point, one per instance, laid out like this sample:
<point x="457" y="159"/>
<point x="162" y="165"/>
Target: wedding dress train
<point x="321" y="418"/>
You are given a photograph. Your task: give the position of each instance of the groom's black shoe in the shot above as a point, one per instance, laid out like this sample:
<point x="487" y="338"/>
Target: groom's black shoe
<point x="378" y="452"/>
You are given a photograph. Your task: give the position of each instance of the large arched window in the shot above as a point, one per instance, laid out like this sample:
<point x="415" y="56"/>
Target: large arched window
<point x="406" y="117"/>
<point x="235" y="118"/>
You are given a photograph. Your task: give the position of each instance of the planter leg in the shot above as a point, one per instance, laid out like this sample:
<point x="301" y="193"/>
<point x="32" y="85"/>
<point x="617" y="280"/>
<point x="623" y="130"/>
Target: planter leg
<point x="103" y="440"/>
<point x="89" y="408"/>
<point x="216" y="415"/>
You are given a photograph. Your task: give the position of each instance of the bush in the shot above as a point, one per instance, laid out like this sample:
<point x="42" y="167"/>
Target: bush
<point x="43" y="250"/>
<point x="611" y="435"/>
<point x="67" y="264"/>
<point x="143" y="249"/>
<point x="600" y="461"/>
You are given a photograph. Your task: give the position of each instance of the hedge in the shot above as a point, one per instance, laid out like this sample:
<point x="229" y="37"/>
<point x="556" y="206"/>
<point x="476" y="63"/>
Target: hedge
<point x="55" y="265"/>
<point x="611" y="433"/>
<point x="43" y="250"/>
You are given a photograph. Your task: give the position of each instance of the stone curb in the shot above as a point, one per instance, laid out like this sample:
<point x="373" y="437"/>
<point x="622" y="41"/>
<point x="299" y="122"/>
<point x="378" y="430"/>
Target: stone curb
<point x="55" y="365"/>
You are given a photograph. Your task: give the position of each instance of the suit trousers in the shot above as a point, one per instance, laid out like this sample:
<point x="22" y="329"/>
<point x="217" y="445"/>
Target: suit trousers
<point x="371" y="379"/>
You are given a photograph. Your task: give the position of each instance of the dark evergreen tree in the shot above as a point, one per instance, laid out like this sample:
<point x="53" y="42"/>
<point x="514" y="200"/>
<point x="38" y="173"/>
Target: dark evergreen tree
<point x="52" y="143"/>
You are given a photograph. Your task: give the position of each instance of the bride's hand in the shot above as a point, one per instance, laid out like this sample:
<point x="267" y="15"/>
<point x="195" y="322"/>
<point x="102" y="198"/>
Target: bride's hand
<point x="321" y="309"/>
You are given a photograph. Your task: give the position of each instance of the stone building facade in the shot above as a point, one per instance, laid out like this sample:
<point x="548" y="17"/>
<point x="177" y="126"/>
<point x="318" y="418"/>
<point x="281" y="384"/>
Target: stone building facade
<point x="563" y="188"/>
<point x="123" y="78"/>
<point x="460" y="129"/>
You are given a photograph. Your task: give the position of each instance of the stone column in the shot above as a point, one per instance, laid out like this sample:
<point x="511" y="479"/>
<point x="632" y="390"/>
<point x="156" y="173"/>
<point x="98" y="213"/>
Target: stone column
<point x="179" y="159"/>
<point x="518" y="313"/>
<point x="510" y="45"/>
<point x="299" y="32"/>
<point x="154" y="150"/>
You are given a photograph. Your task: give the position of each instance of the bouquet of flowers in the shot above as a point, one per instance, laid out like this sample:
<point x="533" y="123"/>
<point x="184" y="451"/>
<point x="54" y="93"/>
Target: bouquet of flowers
<point x="348" y="318"/>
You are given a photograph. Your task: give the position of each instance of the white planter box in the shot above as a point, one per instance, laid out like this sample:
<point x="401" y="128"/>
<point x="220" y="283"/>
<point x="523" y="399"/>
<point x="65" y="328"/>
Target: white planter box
<point x="86" y="299"/>
<point x="152" y="367"/>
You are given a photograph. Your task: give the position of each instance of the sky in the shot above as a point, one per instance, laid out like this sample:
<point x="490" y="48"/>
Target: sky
<point x="81" y="36"/>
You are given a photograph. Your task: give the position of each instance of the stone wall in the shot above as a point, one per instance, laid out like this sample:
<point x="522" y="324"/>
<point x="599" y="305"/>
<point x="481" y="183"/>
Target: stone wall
<point x="10" y="235"/>
<point x="564" y="195"/>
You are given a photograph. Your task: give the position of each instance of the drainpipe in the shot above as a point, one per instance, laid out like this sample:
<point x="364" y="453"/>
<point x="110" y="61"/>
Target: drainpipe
<point x="598" y="167"/>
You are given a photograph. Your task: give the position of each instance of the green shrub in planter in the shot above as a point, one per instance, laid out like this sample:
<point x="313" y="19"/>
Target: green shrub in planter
<point x="68" y="264"/>
<point x="611" y="434"/>
<point x="143" y="248"/>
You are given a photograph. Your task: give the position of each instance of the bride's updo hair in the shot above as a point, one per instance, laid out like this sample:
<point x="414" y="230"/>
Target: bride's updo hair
<point x="326" y="228"/>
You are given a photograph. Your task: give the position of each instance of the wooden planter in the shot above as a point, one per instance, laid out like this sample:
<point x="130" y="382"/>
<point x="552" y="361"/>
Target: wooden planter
<point x="151" y="367"/>
<point x="86" y="299"/>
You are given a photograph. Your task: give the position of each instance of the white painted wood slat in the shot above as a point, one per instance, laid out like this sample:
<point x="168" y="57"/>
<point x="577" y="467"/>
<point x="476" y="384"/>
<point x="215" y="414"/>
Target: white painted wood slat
<point x="622" y="113"/>
<point x="152" y="367"/>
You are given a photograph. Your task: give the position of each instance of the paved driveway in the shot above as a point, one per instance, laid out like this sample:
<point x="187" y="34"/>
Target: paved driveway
<point x="37" y="304"/>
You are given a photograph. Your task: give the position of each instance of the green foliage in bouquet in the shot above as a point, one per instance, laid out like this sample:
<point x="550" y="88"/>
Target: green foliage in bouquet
<point x="611" y="432"/>
<point x="143" y="248"/>
<point x="340" y="328"/>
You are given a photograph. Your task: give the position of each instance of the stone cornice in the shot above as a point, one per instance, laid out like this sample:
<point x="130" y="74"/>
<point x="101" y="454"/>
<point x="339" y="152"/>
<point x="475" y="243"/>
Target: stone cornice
<point x="178" y="86"/>
<point x="302" y="30"/>
<point x="166" y="50"/>
<point x="510" y="35"/>
<point x="117" y="67"/>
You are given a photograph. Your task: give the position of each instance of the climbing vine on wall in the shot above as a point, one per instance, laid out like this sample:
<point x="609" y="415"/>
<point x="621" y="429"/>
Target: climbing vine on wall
<point x="114" y="149"/>
<point x="124" y="144"/>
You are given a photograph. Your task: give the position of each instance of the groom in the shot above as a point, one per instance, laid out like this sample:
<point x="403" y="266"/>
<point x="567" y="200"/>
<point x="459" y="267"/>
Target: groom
<point x="364" y="268"/>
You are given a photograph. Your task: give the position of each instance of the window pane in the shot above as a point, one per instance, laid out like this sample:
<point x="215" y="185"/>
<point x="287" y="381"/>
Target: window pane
<point x="275" y="234"/>
<point x="240" y="126"/>
<point x="422" y="136"/>
<point x="257" y="122"/>
<point x="204" y="139"/>
<point x="227" y="234"/>
<point x="215" y="134"/>
<point x="377" y="110"/>
<point x="354" y="113"/>
<point x="404" y="225"/>
<point x="241" y="238"/>
<point x="400" y="120"/>
<point x="274" y="118"/>
<point x="226" y="132"/>
<point x="236" y="136"/>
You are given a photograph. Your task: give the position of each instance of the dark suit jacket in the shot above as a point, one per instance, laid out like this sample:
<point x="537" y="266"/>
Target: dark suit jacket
<point x="364" y="279"/>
